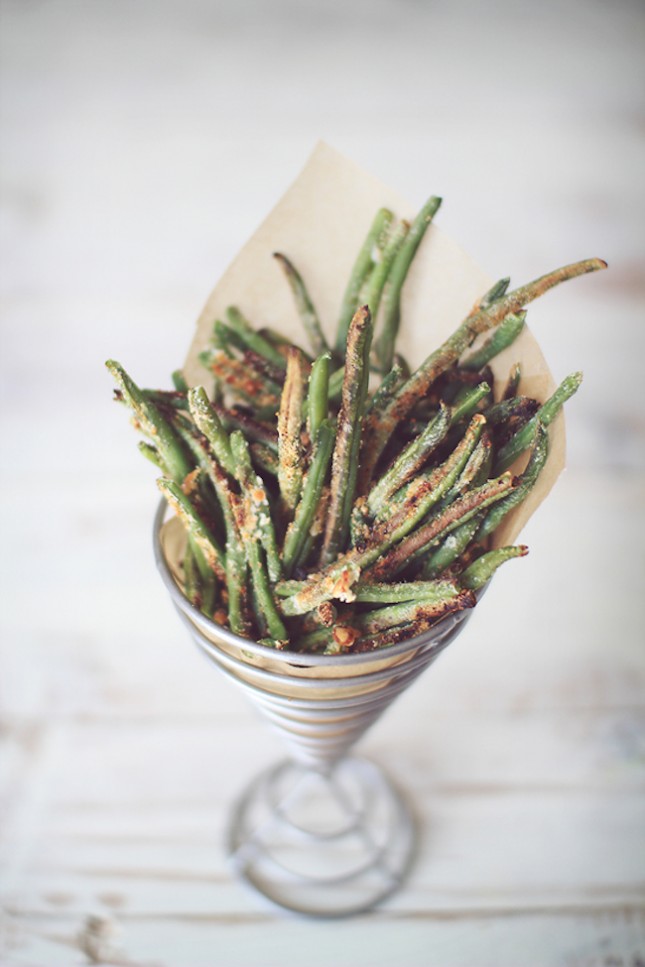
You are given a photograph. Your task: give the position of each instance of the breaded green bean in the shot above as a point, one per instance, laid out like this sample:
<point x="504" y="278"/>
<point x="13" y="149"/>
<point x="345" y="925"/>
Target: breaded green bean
<point x="372" y="246"/>
<point x="547" y="412"/>
<point x="468" y="401"/>
<point x="236" y="376"/>
<point x="513" y="382"/>
<point x="496" y="291"/>
<point x="152" y="423"/>
<point x="198" y="530"/>
<point x="264" y="458"/>
<point x="456" y="513"/>
<point x="372" y="290"/>
<point x="386" y="390"/>
<point x="348" y="436"/>
<point x="255" y="522"/>
<point x="505" y="334"/>
<point x="480" y="571"/>
<point x="409" y="461"/>
<point x="428" y="488"/>
<point x="259" y="573"/>
<point x="298" y="529"/>
<point x="526" y="482"/>
<point x="475" y="471"/>
<point x="179" y="381"/>
<point x="199" y="580"/>
<point x="449" y="352"/>
<point x="384" y="344"/>
<point x="290" y="450"/>
<point x="304" y="305"/>
<point x="152" y="454"/>
<point x="238" y="418"/>
<point x="432" y="591"/>
<point x="318" y="394"/>
<point x="252" y="339"/>
<point x="338" y="578"/>
<point x="450" y="548"/>
<point x="209" y="423"/>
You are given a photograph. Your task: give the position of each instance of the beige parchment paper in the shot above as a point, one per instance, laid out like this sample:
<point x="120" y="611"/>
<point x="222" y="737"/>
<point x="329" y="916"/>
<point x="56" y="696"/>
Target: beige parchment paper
<point x="320" y="224"/>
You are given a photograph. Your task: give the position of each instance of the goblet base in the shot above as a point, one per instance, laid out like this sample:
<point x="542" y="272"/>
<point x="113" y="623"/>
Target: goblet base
<point x="323" y="842"/>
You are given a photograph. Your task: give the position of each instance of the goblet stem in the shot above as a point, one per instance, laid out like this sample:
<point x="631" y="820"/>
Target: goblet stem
<point x="325" y="843"/>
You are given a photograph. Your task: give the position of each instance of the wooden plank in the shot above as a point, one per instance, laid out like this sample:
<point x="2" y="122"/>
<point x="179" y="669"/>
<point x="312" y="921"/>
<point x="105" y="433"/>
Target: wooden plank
<point x="139" y="811"/>
<point x="550" y="939"/>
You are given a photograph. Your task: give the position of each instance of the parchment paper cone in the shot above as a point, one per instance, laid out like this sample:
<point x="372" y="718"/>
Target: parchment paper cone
<point x="320" y="223"/>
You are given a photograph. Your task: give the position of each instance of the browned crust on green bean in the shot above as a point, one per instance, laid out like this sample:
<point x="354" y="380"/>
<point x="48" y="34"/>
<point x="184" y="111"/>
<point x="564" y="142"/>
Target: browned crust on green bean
<point x="480" y="320"/>
<point x="290" y="419"/>
<point x="397" y="557"/>
<point x="347" y="447"/>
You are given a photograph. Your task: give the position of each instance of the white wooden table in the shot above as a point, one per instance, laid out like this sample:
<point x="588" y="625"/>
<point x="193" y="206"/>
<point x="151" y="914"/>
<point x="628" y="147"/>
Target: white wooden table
<point x="141" y="145"/>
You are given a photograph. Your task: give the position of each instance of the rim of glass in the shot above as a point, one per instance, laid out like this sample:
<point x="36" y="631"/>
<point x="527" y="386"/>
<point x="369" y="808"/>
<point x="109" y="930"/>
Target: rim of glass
<point x="301" y="658"/>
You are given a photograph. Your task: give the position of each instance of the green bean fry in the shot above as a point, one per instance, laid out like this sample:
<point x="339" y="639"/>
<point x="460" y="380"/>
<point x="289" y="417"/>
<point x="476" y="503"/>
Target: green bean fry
<point x="339" y="502"/>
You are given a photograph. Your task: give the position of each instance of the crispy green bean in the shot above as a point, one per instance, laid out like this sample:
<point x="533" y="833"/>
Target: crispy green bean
<point x="456" y="513"/>
<point x="433" y="591"/>
<point x="336" y="384"/>
<point x="385" y="391"/>
<point x="198" y="530"/>
<point x="409" y="461"/>
<point x="366" y="258"/>
<point x="420" y="617"/>
<point x="152" y="423"/>
<point x="405" y="632"/>
<point x="298" y="529"/>
<point x="475" y="471"/>
<point x="259" y="573"/>
<point x="152" y="454"/>
<point x="515" y="408"/>
<point x="496" y="291"/>
<point x="179" y="381"/>
<point x="236" y="590"/>
<point x="199" y="579"/>
<point x="384" y="345"/>
<point x="264" y="367"/>
<point x="480" y="571"/>
<point x="370" y="622"/>
<point x="243" y="381"/>
<point x="505" y="334"/>
<point x="337" y="579"/>
<point x="348" y="436"/>
<point x="513" y="382"/>
<point x="372" y="289"/>
<point x="238" y="418"/>
<point x="264" y="458"/>
<point x="304" y="305"/>
<point x="450" y="548"/>
<point x="547" y="412"/>
<point x="449" y="352"/>
<point x="192" y="584"/>
<point x="224" y="340"/>
<point x="252" y="339"/>
<point x="165" y="399"/>
<point x="256" y="522"/>
<point x="236" y="566"/>
<point x="467" y="402"/>
<point x="383" y="593"/>
<point x="209" y="423"/>
<point x="429" y="487"/>
<point x="318" y="394"/>
<point x="290" y="450"/>
<point x="526" y="482"/>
